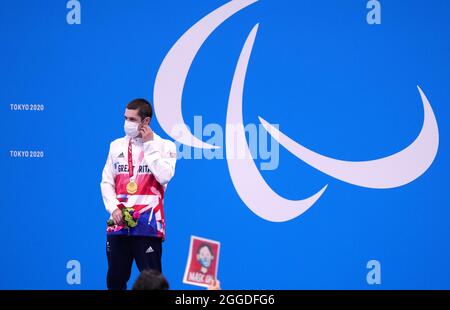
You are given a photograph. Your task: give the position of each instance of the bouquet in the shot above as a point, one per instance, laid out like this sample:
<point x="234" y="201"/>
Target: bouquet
<point x="130" y="219"/>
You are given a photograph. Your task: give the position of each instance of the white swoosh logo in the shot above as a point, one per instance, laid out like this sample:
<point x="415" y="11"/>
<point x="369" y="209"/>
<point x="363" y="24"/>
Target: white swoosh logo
<point x="247" y="179"/>
<point x="173" y="71"/>
<point x="388" y="172"/>
<point x="392" y="171"/>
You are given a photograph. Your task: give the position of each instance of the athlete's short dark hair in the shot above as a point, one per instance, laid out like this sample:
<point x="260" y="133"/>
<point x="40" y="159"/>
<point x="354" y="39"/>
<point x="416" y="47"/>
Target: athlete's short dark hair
<point x="143" y="106"/>
<point x="151" y="280"/>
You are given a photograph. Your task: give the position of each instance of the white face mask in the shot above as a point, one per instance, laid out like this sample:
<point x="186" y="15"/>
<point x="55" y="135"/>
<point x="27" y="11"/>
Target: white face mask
<point x="131" y="129"/>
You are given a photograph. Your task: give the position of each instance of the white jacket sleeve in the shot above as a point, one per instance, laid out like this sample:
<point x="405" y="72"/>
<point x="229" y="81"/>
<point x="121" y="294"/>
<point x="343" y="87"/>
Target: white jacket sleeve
<point x="108" y="186"/>
<point x="161" y="159"/>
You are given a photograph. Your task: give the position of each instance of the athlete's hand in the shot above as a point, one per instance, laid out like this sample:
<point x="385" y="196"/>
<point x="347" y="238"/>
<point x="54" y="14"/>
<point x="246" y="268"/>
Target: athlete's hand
<point x="117" y="216"/>
<point x="146" y="133"/>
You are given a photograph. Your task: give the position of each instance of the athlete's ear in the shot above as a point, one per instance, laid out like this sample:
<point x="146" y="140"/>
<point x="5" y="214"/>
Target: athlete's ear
<point x="147" y="121"/>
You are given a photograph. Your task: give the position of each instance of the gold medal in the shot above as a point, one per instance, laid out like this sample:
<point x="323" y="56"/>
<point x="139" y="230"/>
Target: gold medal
<point x="132" y="187"/>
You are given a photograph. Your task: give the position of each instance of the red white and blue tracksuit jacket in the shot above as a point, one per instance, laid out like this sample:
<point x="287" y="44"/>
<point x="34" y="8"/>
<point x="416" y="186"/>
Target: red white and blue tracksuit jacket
<point x="156" y="159"/>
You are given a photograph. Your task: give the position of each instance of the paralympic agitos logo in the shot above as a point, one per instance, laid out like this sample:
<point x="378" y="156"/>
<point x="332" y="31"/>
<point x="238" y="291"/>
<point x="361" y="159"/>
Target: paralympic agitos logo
<point x="392" y="171"/>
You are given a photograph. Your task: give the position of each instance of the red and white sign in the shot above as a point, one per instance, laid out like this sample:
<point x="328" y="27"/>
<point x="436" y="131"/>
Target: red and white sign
<point x="203" y="262"/>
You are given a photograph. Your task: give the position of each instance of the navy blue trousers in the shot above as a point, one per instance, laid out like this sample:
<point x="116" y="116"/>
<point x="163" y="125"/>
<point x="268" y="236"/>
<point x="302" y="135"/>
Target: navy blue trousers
<point x="121" y="251"/>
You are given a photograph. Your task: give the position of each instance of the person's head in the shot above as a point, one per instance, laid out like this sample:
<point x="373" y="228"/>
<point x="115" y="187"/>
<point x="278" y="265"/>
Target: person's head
<point x="138" y="114"/>
<point x="151" y="280"/>
<point x="205" y="255"/>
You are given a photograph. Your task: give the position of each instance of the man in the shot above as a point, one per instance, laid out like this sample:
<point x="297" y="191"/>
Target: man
<point x="134" y="182"/>
<point x="204" y="257"/>
<point x="151" y="280"/>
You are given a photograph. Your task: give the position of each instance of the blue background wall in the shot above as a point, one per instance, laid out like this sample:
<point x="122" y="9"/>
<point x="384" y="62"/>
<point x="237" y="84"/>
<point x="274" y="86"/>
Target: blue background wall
<point x="348" y="91"/>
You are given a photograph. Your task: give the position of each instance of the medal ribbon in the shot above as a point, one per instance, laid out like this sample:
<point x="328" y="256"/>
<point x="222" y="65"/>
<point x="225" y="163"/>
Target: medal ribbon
<point x="131" y="168"/>
<point x="130" y="160"/>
